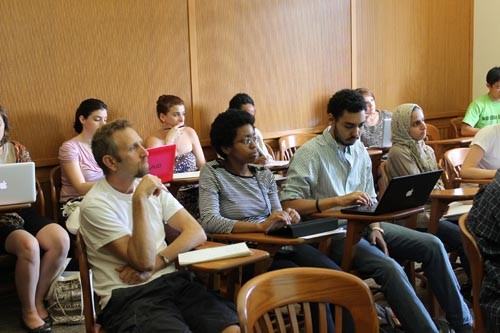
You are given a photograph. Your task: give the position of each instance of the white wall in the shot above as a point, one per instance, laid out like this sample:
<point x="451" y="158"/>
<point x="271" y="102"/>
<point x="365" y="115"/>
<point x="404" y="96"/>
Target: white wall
<point x="486" y="46"/>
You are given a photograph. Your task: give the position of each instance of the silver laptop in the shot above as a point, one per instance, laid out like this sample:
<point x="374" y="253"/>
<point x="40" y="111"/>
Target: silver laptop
<point x="386" y="133"/>
<point x="17" y="183"/>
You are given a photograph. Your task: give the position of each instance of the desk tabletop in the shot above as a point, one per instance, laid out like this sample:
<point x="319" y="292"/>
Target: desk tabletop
<point x="461" y="193"/>
<point x="454" y="141"/>
<point x="259" y="237"/>
<point x="401" y="214"/>
<point x="481" y="181"/>
<point x="14" y="207"/>
<point x="225" y="264"/>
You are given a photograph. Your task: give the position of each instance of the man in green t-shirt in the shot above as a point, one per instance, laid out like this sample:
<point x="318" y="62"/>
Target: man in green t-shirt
<point x="485" y="110"/>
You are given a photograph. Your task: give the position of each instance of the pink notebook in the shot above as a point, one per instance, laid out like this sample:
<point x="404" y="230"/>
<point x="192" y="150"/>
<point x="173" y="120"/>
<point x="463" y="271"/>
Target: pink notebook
<point x="162" y="161"/>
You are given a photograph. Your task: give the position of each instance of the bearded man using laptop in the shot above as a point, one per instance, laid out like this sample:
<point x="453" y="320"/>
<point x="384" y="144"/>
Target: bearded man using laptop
<point x="334" y="170"/>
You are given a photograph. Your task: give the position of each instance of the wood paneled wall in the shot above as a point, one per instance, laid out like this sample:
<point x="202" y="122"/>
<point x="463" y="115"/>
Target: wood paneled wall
<point x="290" y="55"/>
<point x="415" y="51"/>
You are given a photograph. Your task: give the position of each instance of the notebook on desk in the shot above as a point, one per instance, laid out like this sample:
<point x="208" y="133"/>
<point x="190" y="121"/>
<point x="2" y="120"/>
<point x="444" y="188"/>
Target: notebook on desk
<point x="402" y="193"/>
<point x="161" y="162"/>
<point x="306" y="228"/>
<point x="17" y="183"/>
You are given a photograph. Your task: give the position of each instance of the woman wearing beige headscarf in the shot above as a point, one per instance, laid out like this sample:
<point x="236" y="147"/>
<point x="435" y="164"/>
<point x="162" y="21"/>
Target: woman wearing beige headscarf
<point x="410" y="155"/>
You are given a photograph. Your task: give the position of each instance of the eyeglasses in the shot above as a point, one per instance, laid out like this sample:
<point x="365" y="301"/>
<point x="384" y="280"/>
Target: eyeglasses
<point x="248" y="140"/>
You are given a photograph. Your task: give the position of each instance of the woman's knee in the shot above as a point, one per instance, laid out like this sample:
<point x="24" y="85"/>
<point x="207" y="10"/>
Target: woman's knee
<point x="54" y="238"/>
<point x="23" y="245"/>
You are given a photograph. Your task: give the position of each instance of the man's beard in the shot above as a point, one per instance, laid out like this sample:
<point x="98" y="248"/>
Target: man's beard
<point x="143" y="170"/>
<point x="342" y="142"/>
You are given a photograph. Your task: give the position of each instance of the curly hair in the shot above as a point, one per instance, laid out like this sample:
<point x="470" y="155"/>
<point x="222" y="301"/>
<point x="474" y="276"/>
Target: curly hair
<point x="85" y="109"/>
<point x="225" y="128"/>
<point x="239" y="100"/>
<point x="103" y="144"/>
<point x="346" y="100"/>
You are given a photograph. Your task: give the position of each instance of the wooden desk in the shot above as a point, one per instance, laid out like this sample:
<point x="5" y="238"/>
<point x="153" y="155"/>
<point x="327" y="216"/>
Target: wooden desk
<point x="440" y="200"/>
<point x="233" y="266"/>
<point x="14" y="207"/>
<point x="482" y="181"/>
<point x="439" y="145"/>
<point x="356" y="224"/>
<point x="266" y="243"/>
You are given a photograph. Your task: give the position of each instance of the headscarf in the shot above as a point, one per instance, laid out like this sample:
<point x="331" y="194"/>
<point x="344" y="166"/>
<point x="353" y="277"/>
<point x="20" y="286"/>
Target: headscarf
<point x="422" y="154"/>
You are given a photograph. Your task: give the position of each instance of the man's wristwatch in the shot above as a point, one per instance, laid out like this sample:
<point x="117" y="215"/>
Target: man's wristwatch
<point x="165" y="259"/>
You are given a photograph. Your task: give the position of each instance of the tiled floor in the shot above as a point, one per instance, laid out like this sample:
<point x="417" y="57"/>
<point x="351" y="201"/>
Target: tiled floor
<point x="10" y="313"/>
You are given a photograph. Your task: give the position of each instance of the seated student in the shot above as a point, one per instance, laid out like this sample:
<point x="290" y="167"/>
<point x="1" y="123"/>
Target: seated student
<point x="122" y="219"/>
<point x="373" y="126"/>
<point x="409" y="155"/>
<point x="244" y="102"/>
<point x="333" y="170"/>
<point x="232" y="180"/>
<point x="484" y="223"/>
<point x="483" y="158"/>
<point x="79" y="170"/>
<point x="485" y="110"/>
<point x="189" y="154"/>
<point x="39" y="245"/>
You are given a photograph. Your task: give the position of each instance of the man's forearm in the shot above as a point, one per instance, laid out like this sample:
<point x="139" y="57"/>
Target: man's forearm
<point x="141" y="249"/>
<point x="311" y="206"/>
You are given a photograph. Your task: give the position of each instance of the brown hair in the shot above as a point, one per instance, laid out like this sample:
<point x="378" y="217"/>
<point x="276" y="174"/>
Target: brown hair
<point x="165" y="102"/>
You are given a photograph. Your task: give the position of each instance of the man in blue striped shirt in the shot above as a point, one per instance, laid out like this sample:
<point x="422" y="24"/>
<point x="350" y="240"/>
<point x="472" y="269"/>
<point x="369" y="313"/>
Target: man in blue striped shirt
<point x="334" y="170"/>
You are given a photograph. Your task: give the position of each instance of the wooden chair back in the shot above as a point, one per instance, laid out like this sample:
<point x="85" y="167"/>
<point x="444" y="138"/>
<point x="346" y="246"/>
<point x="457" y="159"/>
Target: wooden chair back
<point x="261" y="300"/>
<point x="290" y="143"/>
<point x="383" y="180"/>
<point x="270" y="151"/>
<point x="40" y="199"/>
<point x="55" y="190"/>
<point x="453" y="160"/>
<point x="456" y="124"/>
<point x="88" y="300"/>
<point x="477" y="271"/>
<point x="432" y="133"/>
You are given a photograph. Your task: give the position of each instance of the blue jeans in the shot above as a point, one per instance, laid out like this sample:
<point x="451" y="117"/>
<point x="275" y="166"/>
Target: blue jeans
<point x="449" y="234"/>
<point x="404" y="243"/>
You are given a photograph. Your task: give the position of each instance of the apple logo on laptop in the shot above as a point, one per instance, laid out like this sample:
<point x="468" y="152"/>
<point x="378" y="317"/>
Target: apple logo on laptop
<point x="409" y="193"/>
<point x="3" y="185"/>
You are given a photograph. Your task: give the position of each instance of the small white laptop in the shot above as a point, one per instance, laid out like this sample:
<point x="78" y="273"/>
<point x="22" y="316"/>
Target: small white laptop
<point x="17" y="183"/>
<point x="386" y="133"/>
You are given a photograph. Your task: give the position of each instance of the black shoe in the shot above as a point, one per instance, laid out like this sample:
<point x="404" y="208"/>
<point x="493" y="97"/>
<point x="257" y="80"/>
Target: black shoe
<point x="48" y="320"/>
<point x="45" y="328"/>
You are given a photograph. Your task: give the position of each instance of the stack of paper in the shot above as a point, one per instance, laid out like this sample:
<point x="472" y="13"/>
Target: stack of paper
<point x="214" y="253"/>
<point x="457" y="209"/>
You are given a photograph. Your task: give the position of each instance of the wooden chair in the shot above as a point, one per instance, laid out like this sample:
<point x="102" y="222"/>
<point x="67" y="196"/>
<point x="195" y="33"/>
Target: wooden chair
<point x="432" y="133"/>
<point x="88" y="300"/>
<point x="477" y="271"/>
<point x="290" y="143"/>
<point x="382" y="180"/>
<point x="55" y="190"/>
<point x="270" y="151"/>
<point x="261" y="300"/>
<point x="453" y="160"/>
<point x="456" y="124"/>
